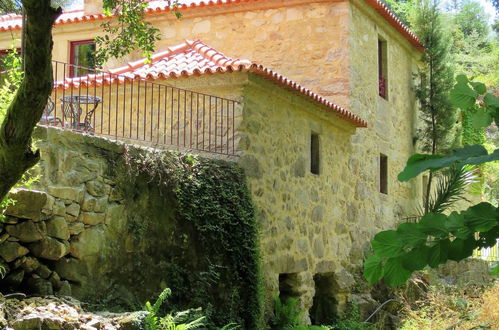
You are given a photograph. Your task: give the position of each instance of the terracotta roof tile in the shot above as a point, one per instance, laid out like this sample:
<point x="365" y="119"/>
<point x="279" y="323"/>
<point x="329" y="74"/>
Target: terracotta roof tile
<point x="13" y="22"/>
<point x="194" y="58"/>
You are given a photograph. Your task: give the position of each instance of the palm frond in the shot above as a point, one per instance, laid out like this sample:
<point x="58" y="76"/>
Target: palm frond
<point x="450" y="187"/>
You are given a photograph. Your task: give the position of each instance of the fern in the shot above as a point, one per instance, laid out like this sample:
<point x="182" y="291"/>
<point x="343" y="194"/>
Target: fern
<point x="287" y="315"/>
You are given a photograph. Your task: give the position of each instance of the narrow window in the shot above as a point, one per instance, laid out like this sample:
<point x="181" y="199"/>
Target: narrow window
<point x="81" y="58"/>
<point x="314" y="153"/>
<point x="382" y="69"/>
<point x="383" y="174"/>
<point x="425" y="186"/>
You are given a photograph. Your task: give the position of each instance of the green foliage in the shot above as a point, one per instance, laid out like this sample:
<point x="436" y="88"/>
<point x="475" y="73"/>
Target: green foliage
<point x="168" y="322"/>
<point x="214" y="261"/>
<point x="351" y="320"/>
<point x="287" y="315"/>
<point x="129" y="31"/>
<point x="435" y="80"/>
<point x="439" y="237"/>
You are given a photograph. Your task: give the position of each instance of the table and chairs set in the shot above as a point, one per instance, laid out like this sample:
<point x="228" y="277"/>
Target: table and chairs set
<point x="77" y="112"/>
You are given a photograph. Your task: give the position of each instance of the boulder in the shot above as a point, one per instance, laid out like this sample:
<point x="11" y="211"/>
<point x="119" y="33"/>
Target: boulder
<point x="72" y="269"/>
<point x="43" y="271"/>
<point x="29" y="322"/>
<point x="91" y="218"/>
<point x="65" y="289"/>
<point x="73" y="209"/>
<point x="89" y="243"/>
<point x="49" y="248"/>
<point x="10" y="251"/>
<point x="57" y="227"/>
<point x="27" y="231"/>
<point x="97" y="188"/>
<point x="40" y="286"/>
<point x="29" y="204"/>
<point x="28" y="264"/>
<point x="76" y="227"/>
<point x="71" y="193"/>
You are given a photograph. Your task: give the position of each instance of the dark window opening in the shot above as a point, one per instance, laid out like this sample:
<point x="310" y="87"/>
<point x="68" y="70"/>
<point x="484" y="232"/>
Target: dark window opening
<point x="325" y="306"/>
<point x="382" y="69"/>
<point x="314" y="154"/>
<point x="82" y="58"/>
<point x="383" y="174"/>
<point x="288" y="287"/>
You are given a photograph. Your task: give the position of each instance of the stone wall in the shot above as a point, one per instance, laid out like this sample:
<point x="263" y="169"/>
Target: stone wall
<point x="76" y="235"/>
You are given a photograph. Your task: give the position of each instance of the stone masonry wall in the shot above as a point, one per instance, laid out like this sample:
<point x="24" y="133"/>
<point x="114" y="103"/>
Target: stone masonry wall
<point x="76" y="235"/>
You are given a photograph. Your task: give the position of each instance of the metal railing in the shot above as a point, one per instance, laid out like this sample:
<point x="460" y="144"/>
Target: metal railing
<point x="131" y="108"/>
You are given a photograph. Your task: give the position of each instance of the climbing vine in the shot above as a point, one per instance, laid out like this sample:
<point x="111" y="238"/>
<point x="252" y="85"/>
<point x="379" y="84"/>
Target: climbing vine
<point x="219" y="268"/>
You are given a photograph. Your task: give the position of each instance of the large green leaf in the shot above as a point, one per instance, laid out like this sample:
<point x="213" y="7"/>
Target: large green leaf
<point x="460" y="249"/>
<point x="489" y="238"/>
<point x="462" y="95"/>
<point x="434" y="224"/>
<point x="481" y="118"/>
<point x="455" y="224"/>
<point x="479" y="87"/>
<point x="491" y="101"/>
<point x="395" y="273"/>
<point x="473" y="155"/>
<point x="416" y="259"/>
<point x="481" y="217"/>
<point x="373" y="269"/>
<point x="387" y="244"/>
<point x="411" y="234"/>
<point x="438" y="253"/>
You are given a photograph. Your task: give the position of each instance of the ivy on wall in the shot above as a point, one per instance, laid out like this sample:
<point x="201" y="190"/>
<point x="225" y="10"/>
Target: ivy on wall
<point x="214" y="263"/>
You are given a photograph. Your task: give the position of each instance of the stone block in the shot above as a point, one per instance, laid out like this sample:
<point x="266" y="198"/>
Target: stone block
<point x="91" y="218"/>
<point x="93" y="204"/>
<point x="76" y="227"/>
<point x="318" y="213"/>
<point x="89" y="243"/>
<point x="59" y="208"/>
<point x="27" y="231"/>
<point x="28" y="264"/>
<point x="116" y="218"/>
<point x="73" y="209"/>
<point x="39" y="286"/>
<point x="49" y="248"/>
<point x="4" y="237"/>
<point x="65" y="289"/>
<point x="71" y="193"/>
<point x="97" y="188"/>
<point x="29" y="204"/>
<point x="29" y="322"/>
<point x="72" y="269"/>
<point x="57" y="227"/>
<point x="43" y="271"/>
<point x="343" y="281"/>
<point x="10" y="251"/>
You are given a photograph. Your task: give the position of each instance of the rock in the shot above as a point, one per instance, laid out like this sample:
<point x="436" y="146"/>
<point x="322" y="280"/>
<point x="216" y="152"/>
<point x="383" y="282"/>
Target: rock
<point x="43" y="271"/>
<point x="71" y="193"/>
<point x="251" y="166"/>
<point x="65" y="289"/>
<point x="29" y="322"/>
<point x="29" y="204"/>
<point x="115" y="195"/>
<point x="115" y="218"/>
<point x="365" y="303"/>
<point x="133" y="321"/>
<point x="76" y="227"/>
<point x="3" y="237"/>
<point x="59" y="208"/>
<point x="91" y="218"/>
<point x="97" y="188"/>
<point x="27" y="231"/>
<point x="73" y="209"/>
<point x="299" y="168"/>
<point x="49" y="248"/>
<point x="317" y="214"/>
<point x="72" y="269"/>
<point x="89" y="242"/>
<point x="344" y="281"/>
<point x="10" y="251"/>
<point x="28" y="264"/>
<point x="15" y="277"/>
<point x="58" y="228"/>
<point x="93" y="204"/>
<point x="39" y="286"/>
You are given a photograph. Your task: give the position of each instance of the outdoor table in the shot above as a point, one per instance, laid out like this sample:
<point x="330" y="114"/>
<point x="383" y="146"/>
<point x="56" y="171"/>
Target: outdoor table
<point x="73" y="107"/>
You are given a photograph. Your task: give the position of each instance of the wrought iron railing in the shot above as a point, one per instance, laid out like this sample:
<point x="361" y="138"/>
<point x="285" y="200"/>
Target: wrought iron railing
<point x="134" y="109"/>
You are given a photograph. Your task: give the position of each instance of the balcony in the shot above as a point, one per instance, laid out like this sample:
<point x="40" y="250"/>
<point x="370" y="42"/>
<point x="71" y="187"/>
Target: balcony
<point x="139" y="111"/>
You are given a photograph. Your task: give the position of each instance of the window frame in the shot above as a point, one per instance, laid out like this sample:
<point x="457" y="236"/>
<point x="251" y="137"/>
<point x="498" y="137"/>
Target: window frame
<point x="72" y="48"/>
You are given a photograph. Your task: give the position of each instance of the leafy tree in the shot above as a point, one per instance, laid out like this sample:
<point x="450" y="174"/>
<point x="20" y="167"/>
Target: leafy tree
<point x="435" y="80"/>
<point x="26" y="109"/>
<point x="439" y="237"/>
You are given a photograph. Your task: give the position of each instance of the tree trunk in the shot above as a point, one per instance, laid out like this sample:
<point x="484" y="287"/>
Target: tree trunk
<point x="16" y="155"/>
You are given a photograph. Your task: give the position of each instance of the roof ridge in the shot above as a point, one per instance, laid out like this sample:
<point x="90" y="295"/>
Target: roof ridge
<point x="216" y="56"/>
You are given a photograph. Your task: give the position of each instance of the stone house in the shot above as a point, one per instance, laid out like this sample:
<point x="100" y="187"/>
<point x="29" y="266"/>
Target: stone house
<point x="323" y="118"/>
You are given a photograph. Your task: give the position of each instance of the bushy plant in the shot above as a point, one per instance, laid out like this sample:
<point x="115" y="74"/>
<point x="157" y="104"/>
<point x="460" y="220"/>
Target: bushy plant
<point x="287" y="315"/>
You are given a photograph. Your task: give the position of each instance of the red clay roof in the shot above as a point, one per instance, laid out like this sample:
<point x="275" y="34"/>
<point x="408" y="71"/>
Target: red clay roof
<point x="194" y="58"/>
<point x="13" y="22"/>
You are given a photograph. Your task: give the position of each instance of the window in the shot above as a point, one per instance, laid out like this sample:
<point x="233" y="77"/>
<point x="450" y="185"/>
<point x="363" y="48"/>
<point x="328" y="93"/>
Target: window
<point x="382" y="69"/>
<point x="314" y="153"/>
<point x="383" y="174"/>
<point x="81" y="57"/>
